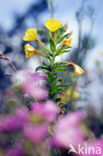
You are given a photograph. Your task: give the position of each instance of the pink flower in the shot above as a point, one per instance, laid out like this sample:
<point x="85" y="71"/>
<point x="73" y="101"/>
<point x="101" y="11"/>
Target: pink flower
<point x="73" y="119"/>
<point x="67" y="130"/>
<point x="36" y="92"/>
<point x="47" y="110"/>
<point x="7" y="123"/>
<point x="34" y="85"/>
<point x="35" y="133"/>
<point x="38" y="77"/>
<point x="13" y="122"/>
<point x="22" y="114"/>
<point x="34" y="77"/>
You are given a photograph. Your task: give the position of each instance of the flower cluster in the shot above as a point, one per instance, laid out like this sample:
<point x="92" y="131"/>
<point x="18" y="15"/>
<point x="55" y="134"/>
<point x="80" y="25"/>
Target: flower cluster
<point x="38" y="128"/>
<point x="41" y="129"/>
<point x="59" y="43"/>
<point x="39" y="125"/>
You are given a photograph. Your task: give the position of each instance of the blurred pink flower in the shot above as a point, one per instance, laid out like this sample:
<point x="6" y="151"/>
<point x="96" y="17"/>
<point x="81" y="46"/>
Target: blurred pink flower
<point x="35" y="133"/>
<point x="73" y="118"/>
<point x="34" y="76"/>
<point x="36" y="92"/>
<point x="67" y="130"/>
<point x="13" y="122"/>
<point x="47" y="110"/>
<point x="38" y="77"/>
<point x="34" y="85"/>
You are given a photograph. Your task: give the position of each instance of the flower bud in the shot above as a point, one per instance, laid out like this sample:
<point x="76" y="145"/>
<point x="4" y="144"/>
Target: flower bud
<point x="67" y="42"/>
<point x="65" y="27"/>
<point x="77" y="69"/>
<point x="30" y="50"/>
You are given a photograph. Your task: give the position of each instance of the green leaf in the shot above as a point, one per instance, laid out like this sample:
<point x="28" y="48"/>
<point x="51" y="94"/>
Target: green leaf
<point x="54" y="90"/>
<point x="52" y="45"/>
<point x="59" y="70"/>
<point x="62" y="86"/>
<point x="41" y="68"/>
<point x="60" y="33"/>
<point x="62" y="38"/>
<point x="58" y="80"/>
<point x="60" y="64"/>
<point x="67" y="47"/>
<point x="58" y="88"/>
<point x="51" y="78"/>
<point x="62" y="52"/>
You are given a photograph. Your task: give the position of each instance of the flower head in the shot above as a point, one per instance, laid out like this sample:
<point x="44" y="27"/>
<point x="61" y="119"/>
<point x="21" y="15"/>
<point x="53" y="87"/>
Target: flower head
<point x="13" y="122"/>
<point x="34" y="86"/>
<point x="35" y="133"/>
<point x="67" y="130"/>
<point x="30" y="35"/>
<point x="53" y="25"/>
<point x="74" y="94"/>
<point x="67" y="42"/>
<point x="30" y="51"/>
<point x="47" y="110"/>
<point x="77" y="69"/>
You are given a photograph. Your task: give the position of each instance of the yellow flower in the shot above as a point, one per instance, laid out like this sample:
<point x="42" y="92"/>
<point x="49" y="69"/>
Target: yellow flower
<point x="68" y="93"/>
<point x="75" y="95"/>
<point x="30" y="51"/>
<point x="30" y="35"/>
<point x="77" y="69"/>
<point x="67" y="42"/>
<point x="53" y="25"/>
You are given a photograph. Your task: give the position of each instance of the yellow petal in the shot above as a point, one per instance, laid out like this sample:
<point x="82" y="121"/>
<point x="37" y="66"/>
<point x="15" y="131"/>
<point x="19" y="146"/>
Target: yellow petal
<point x="30" y="35"/>
<point x="68" y="92"/>
<point x="29" y="50"/>
<point x="53" y="25"/>
<point x="67" y="42"/>
<point x="75" y="94"/>
<point x="77" y="69"/>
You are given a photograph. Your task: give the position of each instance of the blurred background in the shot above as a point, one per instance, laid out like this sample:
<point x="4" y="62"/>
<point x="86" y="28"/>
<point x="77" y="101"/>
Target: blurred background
<point x="84" y="18"/>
